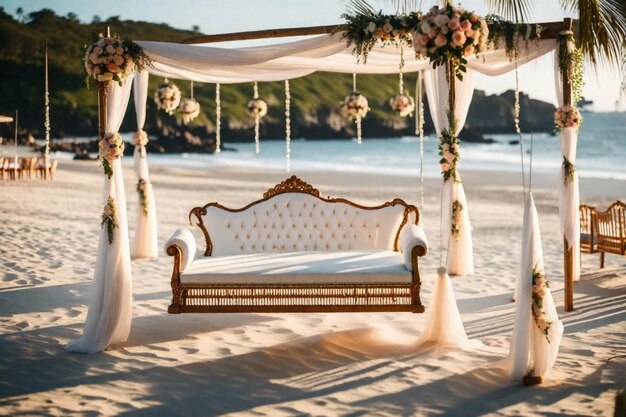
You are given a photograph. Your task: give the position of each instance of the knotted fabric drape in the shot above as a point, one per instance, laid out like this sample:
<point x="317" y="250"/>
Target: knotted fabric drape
<point x="531" y="349"/>
<point x="569" y="197"/>
<point x="145" y="243"/>
<point x="460" y="258"/>
<point x="110" y="305"/>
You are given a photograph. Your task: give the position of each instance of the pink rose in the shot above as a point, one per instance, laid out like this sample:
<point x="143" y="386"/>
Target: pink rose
<point x="93" y="58"/>
<point x="473" y="18"/>
<point x="108" y="41"/>
<point x="445" y="167"/>
<point x="454" y="24"/>
<point x="119" y="50"/>
<point x="96" y="70"/>
<point x="458" y="38"/>
<point x="423" y="40"/>
<point x="112" y="66"/>
<point x="118" y="60"/>
<point x="432" y="33"/>
<point x="466" y="25"/>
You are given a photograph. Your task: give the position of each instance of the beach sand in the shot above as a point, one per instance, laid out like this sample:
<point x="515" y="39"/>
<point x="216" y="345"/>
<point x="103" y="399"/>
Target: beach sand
<point x="292" y="364"/>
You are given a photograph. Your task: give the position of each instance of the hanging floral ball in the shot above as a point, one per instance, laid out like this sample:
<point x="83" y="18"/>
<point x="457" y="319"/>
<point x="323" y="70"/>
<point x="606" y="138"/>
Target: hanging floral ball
<point x="190" y="109"/>
<point x="140" y="138"/>
<point x="567" y="116"/>
<point x="257" y="107"/>
<point x="403" y="105"/>
<point x="109" y="59"/>
<point x="355" y="106"/>
<point x="167" y="97"/>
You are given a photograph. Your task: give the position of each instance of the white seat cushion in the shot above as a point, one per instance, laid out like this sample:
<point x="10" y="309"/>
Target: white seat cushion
<point x="311" y="267"/>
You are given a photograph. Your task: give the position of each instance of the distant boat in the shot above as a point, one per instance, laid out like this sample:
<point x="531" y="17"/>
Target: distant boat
<point x="584" y="104"/>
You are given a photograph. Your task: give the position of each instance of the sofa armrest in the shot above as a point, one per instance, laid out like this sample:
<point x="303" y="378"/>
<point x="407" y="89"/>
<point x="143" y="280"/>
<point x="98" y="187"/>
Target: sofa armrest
<point x="412" y="238"/>
<point x="186" y="243"/>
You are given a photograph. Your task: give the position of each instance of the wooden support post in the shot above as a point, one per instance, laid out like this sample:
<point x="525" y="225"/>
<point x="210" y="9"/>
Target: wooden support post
<point x="568" y="258"/>
<point x="103" y="92"/>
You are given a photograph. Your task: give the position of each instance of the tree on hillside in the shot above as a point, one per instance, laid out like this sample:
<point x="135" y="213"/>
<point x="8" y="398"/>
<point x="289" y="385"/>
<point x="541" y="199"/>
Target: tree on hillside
<point x="19" y="12"/>
<point x="195" y="28"/>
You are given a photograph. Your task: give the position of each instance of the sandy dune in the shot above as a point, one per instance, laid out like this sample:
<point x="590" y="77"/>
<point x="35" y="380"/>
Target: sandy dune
<point x="290" y="364"/>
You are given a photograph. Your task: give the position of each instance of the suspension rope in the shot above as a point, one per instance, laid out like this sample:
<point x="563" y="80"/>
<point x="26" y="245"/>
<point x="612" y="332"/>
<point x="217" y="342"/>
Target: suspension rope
<point x="287" y="126"/>
<point x="218" y="121"/>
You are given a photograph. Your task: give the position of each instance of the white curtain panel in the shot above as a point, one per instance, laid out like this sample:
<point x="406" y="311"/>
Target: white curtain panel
<point x="569" y="197"/>
<point x="460" y="252"/>
<point x="110" y="306"/>
<point x="530" y="349"/>
<point x="145" y="243"/>
<point x="444" y="327"/>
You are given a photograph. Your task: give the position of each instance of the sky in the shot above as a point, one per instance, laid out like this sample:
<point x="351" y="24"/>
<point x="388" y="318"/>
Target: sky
<point x="225" y="16"/>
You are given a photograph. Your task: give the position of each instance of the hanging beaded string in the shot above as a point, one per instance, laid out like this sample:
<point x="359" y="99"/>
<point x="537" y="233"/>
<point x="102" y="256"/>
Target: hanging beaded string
<point x="47" y="115"/>
<point x="192" y="89"/>
<point x="419" y="130"/>
<point x="517" y="127"/>
<point x="287" y="126"/>
<point x="256" y="121"/>
<point x="530" y="168"/>
<point x="358" y="118"/>
<point x="218" y="121"/>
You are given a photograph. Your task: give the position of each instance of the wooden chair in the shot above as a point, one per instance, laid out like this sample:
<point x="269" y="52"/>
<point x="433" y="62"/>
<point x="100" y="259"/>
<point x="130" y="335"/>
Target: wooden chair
<point x="610" y="227"/>
<point x="31" y="164"/>
<point x="52" y="169"/>
<point x="2" y="171"/>
<point x="13" y="168"/>
<point x="588" y="238"/>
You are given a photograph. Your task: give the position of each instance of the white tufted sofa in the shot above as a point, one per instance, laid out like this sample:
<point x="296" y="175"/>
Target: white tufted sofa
<point x="296" y="251"/>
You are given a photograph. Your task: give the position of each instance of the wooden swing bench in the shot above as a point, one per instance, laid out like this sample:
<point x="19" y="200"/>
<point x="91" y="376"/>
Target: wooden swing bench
<point x="295" y="251"/>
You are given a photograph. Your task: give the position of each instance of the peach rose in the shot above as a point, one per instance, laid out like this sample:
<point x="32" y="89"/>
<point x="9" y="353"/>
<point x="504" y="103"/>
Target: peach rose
<point x="112" y="66"/>
<point x="110" y="49"/>
<point x="96" y="70"/>
<point x="445" y="167"/>
<point x="473" y="18"/>
<point x="93" y="58"/>
<point x="119" y="50"/>
<point x="423" y="40"/>
<point x="465" y="25"/>
<point x="469" y="50"/>
<point x="441" y="40"/>
<point x="387" y="27"/>
<point x="118" y="60"/>
<point x="458" y="38"/>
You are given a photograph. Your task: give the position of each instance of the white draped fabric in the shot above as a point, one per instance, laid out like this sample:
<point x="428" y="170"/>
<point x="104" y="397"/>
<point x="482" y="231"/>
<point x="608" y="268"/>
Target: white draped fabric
<point x="460" y="257"/>
<point x="444" y="327"/>
<point x="145" y="243"/>
<point x="110" y="305"/>
<point x="531" y="351"/>
<point x="569" y="198"/>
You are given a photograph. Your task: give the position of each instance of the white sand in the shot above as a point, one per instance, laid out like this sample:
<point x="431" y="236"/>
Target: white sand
<point x="290" y="364"/>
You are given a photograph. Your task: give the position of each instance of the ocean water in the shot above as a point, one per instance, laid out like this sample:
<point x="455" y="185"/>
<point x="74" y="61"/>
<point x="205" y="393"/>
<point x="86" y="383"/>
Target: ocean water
<point x="601" y="153"/>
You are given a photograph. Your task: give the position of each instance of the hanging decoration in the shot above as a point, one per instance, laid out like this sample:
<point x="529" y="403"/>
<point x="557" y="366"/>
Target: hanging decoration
<point x="113" y="59"/>
<point x="140" y="140"/>
<point x="142" y="190"/>
<point x="575" y="72"/>
<point x="111" y="147"/>
<point x="46" y="123"/>
<point x="189" y="108"/>
<point x="287" y="127"/>
<point x="450" y="33"/>
<point x="109" y="218"/>
<point x="355" y="107"/>
<point x="419" y="130"/>
<point x="567" y="116"/>
<point x="218" y="119"/>
<point x="257" y="107"/>
<point x="167" y="97"/>
<point x="403" y="105"/>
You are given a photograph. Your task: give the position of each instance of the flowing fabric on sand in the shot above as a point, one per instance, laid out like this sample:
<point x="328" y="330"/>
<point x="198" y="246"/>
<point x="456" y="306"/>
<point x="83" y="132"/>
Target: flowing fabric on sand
<point x="460" y="256"/>
<point x="531" y="350"/>
<point x="145" y="243"/>
<point x="569" y="198"/>
<point x="110" y="305"/>
<point x="444" y="327"/>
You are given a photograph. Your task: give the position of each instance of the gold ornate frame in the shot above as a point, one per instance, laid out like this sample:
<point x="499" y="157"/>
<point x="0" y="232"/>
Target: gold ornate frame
<point x="239" y="298"/>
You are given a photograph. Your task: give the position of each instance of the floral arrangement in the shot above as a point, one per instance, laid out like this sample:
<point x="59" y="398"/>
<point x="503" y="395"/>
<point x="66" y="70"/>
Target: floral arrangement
<point x="450" y="33"/>
<point x="140" y="138"/>
<point x="109" y="218"/>
<point x="571" y="63"/>
<point x="402" y="104"/>
<point x="457" y="208"/>
<point x="257" y="107"/>
<point x="190" y="109"/>
<point x="540" y="283"/>
<point x="567" y="116"/>
<point x="142" y="189"/>
<point x="569" y="171"/>
<point x="113" y="59"/>
<point x="511" y="33"/>
<point x="367" y="28"/>
<point x="449" y="150"/>
<point x="167" y="97"/>
<point x="111" y="147"/>
<point x="355" y="106"/>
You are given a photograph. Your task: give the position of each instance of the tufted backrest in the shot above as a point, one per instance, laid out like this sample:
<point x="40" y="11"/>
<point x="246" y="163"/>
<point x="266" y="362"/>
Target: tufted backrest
<point x="300" y="221"/>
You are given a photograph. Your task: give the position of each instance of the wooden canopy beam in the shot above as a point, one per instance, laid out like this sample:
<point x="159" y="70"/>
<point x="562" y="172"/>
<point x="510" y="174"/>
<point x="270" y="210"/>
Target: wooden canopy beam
<point x="550" y="30"/>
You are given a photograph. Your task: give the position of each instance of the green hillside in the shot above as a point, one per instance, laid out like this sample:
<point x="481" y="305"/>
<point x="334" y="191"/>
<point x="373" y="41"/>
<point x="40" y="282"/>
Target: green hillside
<point x="315" y="98"/>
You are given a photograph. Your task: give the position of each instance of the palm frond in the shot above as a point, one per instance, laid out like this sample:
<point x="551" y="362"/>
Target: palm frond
<point x="602" y="28"/>
<point x="515" y="10"/>
<point x="360" y="7"/>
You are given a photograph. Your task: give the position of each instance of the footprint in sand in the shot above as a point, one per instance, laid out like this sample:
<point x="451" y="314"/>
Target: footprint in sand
<point x="22" y="325"/>
<point x="73" y="313"/>
<point x="191" y="351"/>
<point x="225" y="351"/>
<point x="9" y="277"/>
